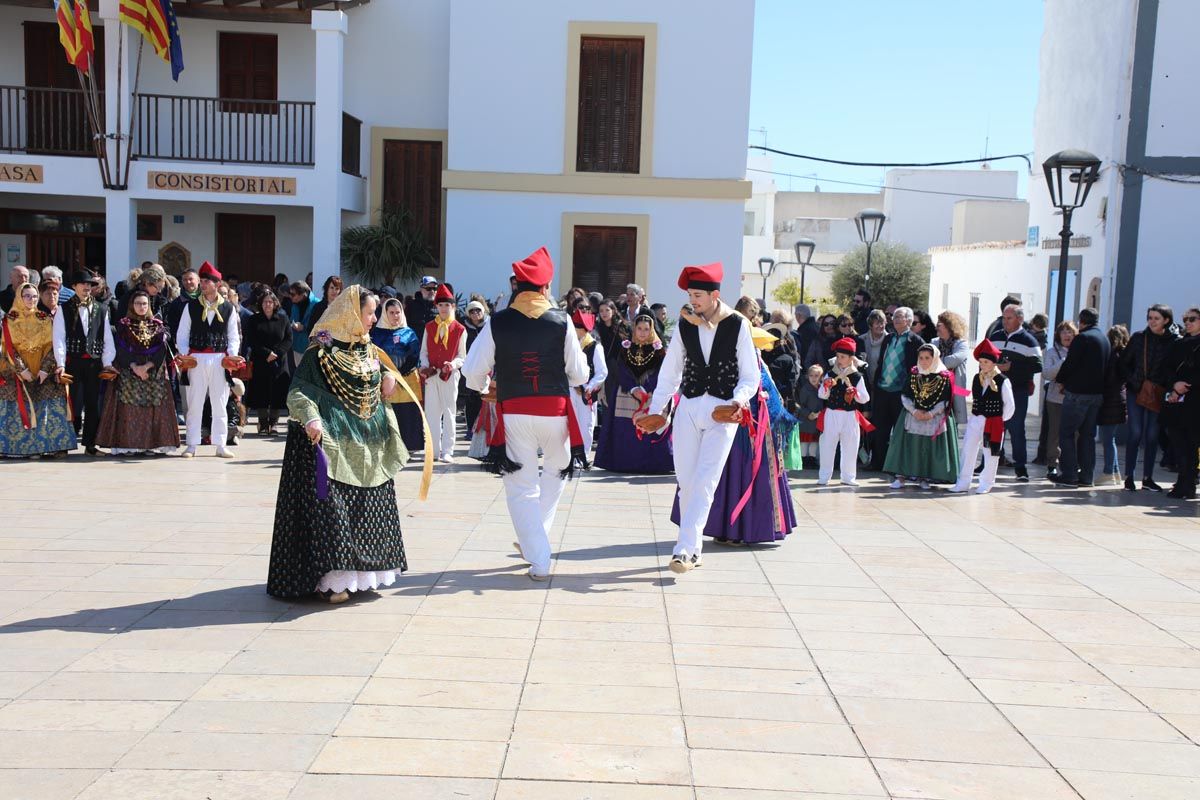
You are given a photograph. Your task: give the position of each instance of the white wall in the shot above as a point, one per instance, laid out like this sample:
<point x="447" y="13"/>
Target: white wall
<point x="487" y="231"/>
<point x="989" y="221"/>
<point x="921" y="219"/>
<point x="991" y="271"/>
<point x="507" y="83"/>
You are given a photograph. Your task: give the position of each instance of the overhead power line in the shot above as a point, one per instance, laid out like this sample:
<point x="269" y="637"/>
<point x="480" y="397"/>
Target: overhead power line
<point x="876" y="186"/>
<point x="1023" y="156"/>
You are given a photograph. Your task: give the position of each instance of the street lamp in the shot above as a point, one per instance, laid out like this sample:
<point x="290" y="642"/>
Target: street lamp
<point x="766" y="268"/>
<point x="804" y="254"/>
<point x="1082" y="169"/>
<point x="869" y="222"/>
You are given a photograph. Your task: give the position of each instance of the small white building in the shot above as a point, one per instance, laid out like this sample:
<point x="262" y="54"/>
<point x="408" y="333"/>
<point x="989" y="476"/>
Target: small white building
<point x="605" y="131"/>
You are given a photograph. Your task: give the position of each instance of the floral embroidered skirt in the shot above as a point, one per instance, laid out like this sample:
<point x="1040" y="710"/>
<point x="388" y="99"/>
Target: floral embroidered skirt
<point x="52" y="434"/>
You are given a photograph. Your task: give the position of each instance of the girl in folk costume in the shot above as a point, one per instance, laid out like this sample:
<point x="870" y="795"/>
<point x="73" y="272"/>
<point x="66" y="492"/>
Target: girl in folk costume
<point x="443" y="351"/>
<point x="925" y="445"/>
<point x="337" y="527"/>
<point x="583" y="398"/>
<point x="393" y="336"/>
<point x="712" y="363"/>
<point x="753" y="503"/>
<point x="991" y="406"/>
<point x="633" y="378"/>
<point x="844" y="392"/>
<point x="34" y="419"/>
<point x="139" y="410"/>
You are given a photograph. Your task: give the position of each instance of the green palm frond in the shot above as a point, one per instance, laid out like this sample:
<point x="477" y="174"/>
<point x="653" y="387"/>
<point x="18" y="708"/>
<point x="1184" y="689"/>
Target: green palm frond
<point x="392" y="251"/>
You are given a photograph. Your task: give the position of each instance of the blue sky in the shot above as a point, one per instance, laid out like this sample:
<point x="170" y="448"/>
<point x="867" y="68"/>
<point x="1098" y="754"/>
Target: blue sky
<point x="894" y="81"/>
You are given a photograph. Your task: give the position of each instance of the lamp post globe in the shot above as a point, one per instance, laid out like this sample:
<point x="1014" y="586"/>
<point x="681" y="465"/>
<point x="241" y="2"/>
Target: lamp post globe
<point x="804" y="253"/>
<point x="1069" y="178"/>
<point x="869" y="223"/>
<point x="766" y="268"/>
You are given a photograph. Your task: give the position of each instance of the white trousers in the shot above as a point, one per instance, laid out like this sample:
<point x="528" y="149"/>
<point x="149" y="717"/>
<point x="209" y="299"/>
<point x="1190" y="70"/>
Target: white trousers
<point x="841" y="428"/>
<point x="207" y="379"/>
<point x="532" y="498"/>
<point x="585" y="415"/>
<point x="441" y="409"/>
<point x="972" y="444"/>
<point x="701" y="448"/>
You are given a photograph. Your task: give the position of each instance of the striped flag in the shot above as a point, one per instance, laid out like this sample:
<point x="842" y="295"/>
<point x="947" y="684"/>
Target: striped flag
<point x="84" y="37"/>
<point x="66" y="30"/>
<point x="155" y="20"/>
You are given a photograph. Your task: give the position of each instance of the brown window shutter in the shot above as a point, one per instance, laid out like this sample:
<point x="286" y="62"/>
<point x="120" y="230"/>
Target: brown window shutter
<point x="248" y="69"/>
<point x="605" y="258"/>
<point x="610" y="104"/>
<point x="412" y="180"/>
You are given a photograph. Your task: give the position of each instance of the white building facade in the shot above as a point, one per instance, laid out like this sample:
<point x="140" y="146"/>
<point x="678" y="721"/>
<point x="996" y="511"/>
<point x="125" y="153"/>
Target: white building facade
<point x="601" y="130"/>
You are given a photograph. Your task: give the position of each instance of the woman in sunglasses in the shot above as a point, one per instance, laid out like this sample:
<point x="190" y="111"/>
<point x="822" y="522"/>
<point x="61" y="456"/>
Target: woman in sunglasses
<point x="1140" y="360"/>
<point x="821" y="350"/>
<point x="1180" y="374"/>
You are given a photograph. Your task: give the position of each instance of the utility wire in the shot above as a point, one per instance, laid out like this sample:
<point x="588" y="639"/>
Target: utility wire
<point x="1023" y="156"/>
<point x="1169" y="177"/>
<point x="876" y="186"/>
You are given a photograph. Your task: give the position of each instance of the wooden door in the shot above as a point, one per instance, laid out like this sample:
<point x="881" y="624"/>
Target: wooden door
<point x="65" y="251"/>
<point x="605" y="259"/>
<point x="246" y="246"/>
<point x="56" y="117"/>
<point x="412" y="180"/>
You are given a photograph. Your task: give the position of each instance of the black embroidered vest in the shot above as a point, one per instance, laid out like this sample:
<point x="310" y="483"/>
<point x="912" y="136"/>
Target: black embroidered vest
<point x="719" y="375"/>
<point x="529" y="354"/>
<point x="588" y="353"/>
<point x="205" y="335"/>
<point x="89" y="343"/>
<point x="989" y="404"/>
<point x="837" y="395"/>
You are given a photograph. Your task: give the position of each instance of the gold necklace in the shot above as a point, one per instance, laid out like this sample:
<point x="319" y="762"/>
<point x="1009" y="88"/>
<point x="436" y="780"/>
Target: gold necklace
<point x="927" y="390"/>
<point x="352" y="378"/>
<point x="639" y="355"/>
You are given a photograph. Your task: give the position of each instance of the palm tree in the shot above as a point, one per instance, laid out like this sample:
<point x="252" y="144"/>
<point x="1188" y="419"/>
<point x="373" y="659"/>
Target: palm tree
<point x="393" y="250"/>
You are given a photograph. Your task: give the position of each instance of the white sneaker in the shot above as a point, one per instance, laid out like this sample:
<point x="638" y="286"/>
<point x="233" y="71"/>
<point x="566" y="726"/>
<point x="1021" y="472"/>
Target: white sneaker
<point x="897" y="484"/>
<point x="853" y="484"/>
<point x="956" y="489"/>
<point x="822" y="483"/>
<point x="982" y="490"/>
<point x="680" y="563"/>
<point x="189" y="453"/>
<point x="223" y="452"/>
<point x="925" y="485"/>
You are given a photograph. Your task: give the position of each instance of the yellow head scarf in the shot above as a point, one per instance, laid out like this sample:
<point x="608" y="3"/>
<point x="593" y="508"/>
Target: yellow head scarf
<point x="342" y="320"/>
<point x="30" y="331"/>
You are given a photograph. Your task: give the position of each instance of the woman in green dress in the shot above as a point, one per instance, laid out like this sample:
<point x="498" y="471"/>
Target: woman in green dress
<point x="337" y="527"/>
<point x="924" y="444"/>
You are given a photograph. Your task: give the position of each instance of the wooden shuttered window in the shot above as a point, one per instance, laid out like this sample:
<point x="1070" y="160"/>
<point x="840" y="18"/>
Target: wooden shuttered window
<point x="412" y="180"/>
<point x="248" y="66"/>
<point x="610" y="104"/>
<point x="605" y="258"/>
<point x="246" y="246"/>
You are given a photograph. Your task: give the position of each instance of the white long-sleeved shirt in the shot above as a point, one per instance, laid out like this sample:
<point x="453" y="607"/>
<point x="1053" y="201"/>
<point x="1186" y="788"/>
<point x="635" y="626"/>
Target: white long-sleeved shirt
<point x="455" y="363"/>
<point x="861" y="395"/>
<point x="671" y="373"/>
<point x="58" y="337"/>
<point x="482" y="359"/>
<point x="599" y="369"/>
<point x="233" y="334"/>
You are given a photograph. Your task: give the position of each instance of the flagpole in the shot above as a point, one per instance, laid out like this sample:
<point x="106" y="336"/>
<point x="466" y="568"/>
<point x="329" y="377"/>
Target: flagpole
<point x="137" y="77"/>
<point x="97" y="144"/>
<point x="120" y="93"/>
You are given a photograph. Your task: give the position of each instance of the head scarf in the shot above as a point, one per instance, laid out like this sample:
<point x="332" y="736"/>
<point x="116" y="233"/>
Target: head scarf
<point x="936" y="367"/>
<point x="342" y="320"/>
<point x="30" y="331"/>
<point x="383" y="324"/>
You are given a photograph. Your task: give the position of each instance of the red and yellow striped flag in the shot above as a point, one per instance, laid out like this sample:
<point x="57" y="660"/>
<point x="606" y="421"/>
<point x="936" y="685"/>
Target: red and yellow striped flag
<point x="66" y="30"/>
<point x="148" y="18"/>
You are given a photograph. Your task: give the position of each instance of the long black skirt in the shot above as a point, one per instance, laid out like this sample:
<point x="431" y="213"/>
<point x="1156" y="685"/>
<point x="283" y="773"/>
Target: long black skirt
<point x="408" y="419"/>
<point x="355" y="529"/>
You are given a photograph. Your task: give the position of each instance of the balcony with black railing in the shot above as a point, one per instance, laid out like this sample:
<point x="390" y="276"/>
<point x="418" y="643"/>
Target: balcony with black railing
<point x="43" y="121"/>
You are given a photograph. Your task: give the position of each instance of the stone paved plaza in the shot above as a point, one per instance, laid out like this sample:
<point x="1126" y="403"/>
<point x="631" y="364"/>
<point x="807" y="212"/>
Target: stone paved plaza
<point x="1032" y="644"/>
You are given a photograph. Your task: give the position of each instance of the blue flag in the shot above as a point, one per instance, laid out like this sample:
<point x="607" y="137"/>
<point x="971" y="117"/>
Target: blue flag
<point x="176" y="40"/>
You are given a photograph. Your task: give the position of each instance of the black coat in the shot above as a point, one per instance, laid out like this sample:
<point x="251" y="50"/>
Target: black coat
<point x="1143" y="356"/>
<point x="1113" y="410"/>
<point x="804" y="336"/>
<point x="1181" y="363"/>
<point x="1087" y="362"/>
<point x="262" y="336"/>
<point x="419" y="312"/>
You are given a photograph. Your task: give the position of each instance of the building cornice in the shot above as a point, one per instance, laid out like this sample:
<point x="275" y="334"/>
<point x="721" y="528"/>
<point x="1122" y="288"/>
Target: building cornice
<point x="598" y="184"/>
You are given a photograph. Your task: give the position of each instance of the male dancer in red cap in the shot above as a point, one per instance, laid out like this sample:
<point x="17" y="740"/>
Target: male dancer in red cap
<point x="208" y="331"/>
<point x="443" y="351"/>
<point x="583" y="398"/>
<point x="537" y="360"/>
<point x="711" y="361"/>
<point x="992" y="405"/>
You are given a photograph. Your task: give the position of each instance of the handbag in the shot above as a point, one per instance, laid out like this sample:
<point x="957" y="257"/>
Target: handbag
<point x="1150" y="396"/>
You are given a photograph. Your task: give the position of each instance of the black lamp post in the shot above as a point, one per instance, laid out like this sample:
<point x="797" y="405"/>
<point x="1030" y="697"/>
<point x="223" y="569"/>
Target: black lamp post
<point x="766" y="268"/>
<point x="1063" y="169"/>
<point x="804" y="254"/>
<point x="869" y="222"/>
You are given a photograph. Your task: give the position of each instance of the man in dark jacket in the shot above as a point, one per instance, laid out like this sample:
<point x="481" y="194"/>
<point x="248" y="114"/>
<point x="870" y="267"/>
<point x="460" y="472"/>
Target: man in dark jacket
<point x="17" y="276"/>
<point x="1020" y="361"/>
<point x="189" y="289"/>
<point x="1082" y="378"/>
<point x="805" y="334"/>
<point x="421" y="309"/>
<point x="897" y="357"/>
<point x="861" y="310"/>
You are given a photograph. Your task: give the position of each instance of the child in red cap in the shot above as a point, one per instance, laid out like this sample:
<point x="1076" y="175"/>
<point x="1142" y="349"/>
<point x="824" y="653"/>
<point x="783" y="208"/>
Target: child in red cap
<point x="991" y="406"/>
<point x="844" y="391"/>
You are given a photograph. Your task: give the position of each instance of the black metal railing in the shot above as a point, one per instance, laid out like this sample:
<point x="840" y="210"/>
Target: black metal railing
<point x="351" y="145"/>
<point x="224" y="130"/>
<point x="46" y="121"/>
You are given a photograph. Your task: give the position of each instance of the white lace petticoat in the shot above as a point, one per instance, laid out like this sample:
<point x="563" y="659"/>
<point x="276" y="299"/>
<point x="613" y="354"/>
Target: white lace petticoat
<point x="344" y="580"/>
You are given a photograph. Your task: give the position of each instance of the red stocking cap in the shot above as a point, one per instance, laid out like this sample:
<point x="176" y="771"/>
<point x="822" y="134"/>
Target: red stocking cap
<point x="584" y="319"/>
<point x="987" y="350"/>
<point x="444" y="295"/>
<point x="706" y="278"/>
<point x="536" y="268"/>
<point x="207" y="270"/>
